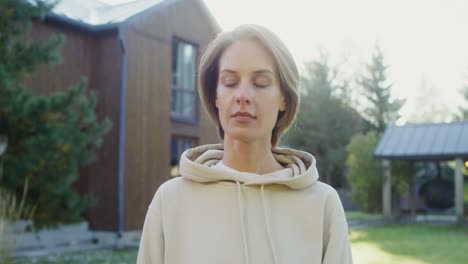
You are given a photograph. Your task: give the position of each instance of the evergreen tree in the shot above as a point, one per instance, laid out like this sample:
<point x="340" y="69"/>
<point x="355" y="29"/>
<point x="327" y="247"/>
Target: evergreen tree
<point x="464" y="107"/>
<point x="325" y="123"/>
<point x="49" y="137"/>
<point x="382" y="107"/>
<point x="428" y="105"/>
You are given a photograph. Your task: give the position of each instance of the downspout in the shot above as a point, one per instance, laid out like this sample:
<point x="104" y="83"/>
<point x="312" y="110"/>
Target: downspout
<point x="123" y="84"/>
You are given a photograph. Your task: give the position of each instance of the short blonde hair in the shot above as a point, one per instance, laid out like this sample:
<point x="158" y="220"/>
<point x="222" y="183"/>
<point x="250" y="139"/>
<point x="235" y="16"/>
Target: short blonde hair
<point x="286" y="67"/>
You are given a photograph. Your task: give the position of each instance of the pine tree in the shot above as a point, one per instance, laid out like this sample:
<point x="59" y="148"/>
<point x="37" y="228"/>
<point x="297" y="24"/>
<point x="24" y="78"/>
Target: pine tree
<point x="325" y="122"/>
<point x="383" y="108"/>
<point x="464" y="107"/>
<point x="428" y="106"/>
<point x="49" y="137"/>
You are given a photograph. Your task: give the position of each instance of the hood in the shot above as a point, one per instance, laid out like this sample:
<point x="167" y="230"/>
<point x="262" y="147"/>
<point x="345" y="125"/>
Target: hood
<point x="203" y="164"/>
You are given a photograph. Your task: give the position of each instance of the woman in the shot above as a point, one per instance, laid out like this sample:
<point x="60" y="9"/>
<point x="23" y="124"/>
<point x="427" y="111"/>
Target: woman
<point x="246" y="200"/>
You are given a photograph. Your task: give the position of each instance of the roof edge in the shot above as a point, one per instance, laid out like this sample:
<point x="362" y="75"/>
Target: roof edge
<point x="81" y="25"/>
<point x="216" y="26"/>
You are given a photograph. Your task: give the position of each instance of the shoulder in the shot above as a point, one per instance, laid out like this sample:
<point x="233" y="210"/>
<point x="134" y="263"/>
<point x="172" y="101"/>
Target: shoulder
<point x="328" y="195"/>
<point x="168" y="189"/>
<point x="323" y="188"/>
<point x="171" y="184"/>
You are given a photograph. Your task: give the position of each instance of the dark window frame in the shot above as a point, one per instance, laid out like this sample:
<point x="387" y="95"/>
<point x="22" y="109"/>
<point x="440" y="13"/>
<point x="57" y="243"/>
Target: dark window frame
<point x="175" y="116"/>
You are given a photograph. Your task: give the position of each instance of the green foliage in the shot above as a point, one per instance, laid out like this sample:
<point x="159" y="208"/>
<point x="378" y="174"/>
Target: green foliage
<point x="465" y="193"/>
<point x="428" y="108"/>
<point x="465" y="110"/>
<point x="17" y="54"/>
<point x="464" y="107"/>
<point x="49" y="137"/>
<point x="325" y="122"/>
<point x="365" y="173"/>
<point x="383" y="108"/>
<point x="364" y="170"/>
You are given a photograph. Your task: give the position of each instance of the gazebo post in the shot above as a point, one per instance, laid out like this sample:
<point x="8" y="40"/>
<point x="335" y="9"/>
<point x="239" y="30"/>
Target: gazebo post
<point x="459" y="190"/>
<point x="387" y="190"/>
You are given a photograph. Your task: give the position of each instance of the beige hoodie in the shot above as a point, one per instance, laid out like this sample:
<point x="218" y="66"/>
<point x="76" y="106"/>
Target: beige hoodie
<point x="216" y="215"/>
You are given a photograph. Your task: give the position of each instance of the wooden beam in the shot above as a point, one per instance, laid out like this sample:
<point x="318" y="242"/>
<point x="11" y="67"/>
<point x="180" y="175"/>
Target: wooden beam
<point x="459" y="190"/>
<point x="387" y="190"/>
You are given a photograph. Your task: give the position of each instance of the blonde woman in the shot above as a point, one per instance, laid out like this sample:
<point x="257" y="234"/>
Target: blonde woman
<point x="246" y="200"/>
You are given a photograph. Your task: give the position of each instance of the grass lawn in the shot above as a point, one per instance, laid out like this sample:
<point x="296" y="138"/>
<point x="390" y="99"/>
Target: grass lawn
<point x="410" y="244"/>
<point x="360" y="215"/>
<point x="124" y="256"/>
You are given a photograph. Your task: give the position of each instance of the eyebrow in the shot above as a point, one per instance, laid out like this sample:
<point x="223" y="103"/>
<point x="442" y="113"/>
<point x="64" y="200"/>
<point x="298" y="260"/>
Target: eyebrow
<point x="255" y="72"/>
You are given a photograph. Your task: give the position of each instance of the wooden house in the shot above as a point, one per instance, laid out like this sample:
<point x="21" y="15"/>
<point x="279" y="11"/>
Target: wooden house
<point x="141" y="58"/>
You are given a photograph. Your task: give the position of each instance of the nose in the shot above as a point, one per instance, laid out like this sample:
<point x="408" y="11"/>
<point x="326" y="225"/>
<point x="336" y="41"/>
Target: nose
<point x="243" y="96"/>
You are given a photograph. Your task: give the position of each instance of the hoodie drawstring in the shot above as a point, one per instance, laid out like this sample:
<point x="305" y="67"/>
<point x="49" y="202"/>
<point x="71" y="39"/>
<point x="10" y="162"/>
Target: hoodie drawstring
<point x="267" y="223"/>
<point x="242" y="220"/>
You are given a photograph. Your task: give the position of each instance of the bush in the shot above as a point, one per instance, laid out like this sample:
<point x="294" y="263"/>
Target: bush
<point x="365" y="173"/>
<point x="49" y="138"/>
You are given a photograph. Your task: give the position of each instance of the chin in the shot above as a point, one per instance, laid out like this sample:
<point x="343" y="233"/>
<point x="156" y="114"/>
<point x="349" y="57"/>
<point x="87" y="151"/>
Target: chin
<point x="244" y="135"/>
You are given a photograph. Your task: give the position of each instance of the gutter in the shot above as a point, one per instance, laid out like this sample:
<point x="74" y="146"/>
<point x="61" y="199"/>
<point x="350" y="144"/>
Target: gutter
<point x="121" y="178"/>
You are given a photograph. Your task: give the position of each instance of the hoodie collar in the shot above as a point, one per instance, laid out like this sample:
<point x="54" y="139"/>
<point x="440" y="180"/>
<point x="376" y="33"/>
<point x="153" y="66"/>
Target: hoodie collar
<point x="203" y="164"/>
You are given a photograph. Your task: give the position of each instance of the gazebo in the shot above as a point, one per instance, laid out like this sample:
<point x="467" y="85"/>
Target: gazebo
<point x="424" y="142"/>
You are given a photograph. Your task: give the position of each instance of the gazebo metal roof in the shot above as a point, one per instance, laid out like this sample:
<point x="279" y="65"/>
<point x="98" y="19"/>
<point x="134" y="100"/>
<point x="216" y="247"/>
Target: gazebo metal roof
<point x="438" y="141"/>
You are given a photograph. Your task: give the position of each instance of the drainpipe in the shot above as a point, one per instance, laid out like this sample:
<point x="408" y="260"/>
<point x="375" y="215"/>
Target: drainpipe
<point x="123" y="84"/>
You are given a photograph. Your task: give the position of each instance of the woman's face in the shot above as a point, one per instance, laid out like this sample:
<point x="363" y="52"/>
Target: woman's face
<point x="248" y="95"/>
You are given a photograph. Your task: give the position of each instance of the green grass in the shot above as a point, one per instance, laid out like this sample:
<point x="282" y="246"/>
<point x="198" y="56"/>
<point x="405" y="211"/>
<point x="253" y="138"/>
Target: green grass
<point x="411" y="244"/>
<point x="124" y="256"/>
<point x="360" y="215"/>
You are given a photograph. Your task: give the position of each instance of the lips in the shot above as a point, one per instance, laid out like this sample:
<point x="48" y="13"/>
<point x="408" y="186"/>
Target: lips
<point x="243" y="114"/>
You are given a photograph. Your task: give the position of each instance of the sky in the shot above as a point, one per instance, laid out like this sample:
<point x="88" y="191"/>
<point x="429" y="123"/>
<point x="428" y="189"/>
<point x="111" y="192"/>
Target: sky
<point x="423" y="41"/>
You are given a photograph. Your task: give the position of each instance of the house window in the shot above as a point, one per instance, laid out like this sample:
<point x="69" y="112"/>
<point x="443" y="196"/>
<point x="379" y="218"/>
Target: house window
<point x="178" y="146"/>
<point x="183" y="92"/>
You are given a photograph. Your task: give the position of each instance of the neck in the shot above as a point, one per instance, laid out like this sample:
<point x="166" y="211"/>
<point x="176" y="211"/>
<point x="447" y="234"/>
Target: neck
<point x="254" y="157"/>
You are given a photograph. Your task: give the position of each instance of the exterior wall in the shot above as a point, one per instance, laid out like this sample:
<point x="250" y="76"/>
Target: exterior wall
<point x="149" y="127"/>
<point x="96" y="56"/>
<point x="102" y="175"/>
<point x="76" y="57"/>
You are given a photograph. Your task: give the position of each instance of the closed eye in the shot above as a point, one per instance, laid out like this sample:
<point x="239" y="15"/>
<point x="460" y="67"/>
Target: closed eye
<point x="262" y="81"/>
<point x="262" y="85"/>
<point x="230" y="84"/>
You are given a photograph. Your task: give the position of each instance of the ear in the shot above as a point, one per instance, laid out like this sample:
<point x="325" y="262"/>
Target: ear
<point x="217" y="103"/>
<point x="282" y="107"/>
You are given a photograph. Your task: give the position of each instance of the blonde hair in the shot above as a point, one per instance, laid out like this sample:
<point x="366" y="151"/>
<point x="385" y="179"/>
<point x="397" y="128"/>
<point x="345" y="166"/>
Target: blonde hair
<point x="287" y="72"/>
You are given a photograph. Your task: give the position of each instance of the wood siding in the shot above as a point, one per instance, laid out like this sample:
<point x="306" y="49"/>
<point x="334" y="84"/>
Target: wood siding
<point x="103" y="174"/>
<point x="148" y="40"/>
